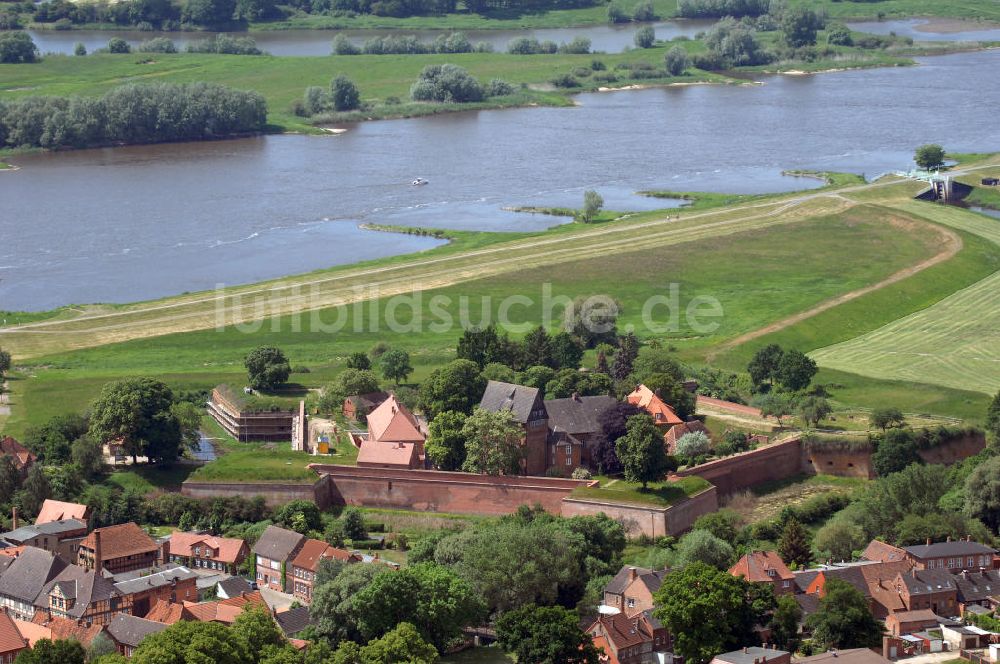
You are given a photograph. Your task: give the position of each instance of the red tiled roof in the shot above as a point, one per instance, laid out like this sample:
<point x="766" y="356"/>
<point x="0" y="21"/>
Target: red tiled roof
<point x="393" y="422"/>
<point x="756" y="566"/>
<point x="20" y="454"/>
<point x="64" y="628"/>
<point x="57" y="510"/>
<point x="33" y="633"/>
<point x="605" y="654"/>
<point x="182" y="544"/>
<point x="883" y="552"/>
<point x="126" y="539"/>
<point x="678" y="430"/>
<point x="622" y="631"/>
<point x="223" y="611"/>
<point x="166" y="612"/>
<point x="645" y="398"/>
<point x="315" y="550"/>
<point x="401" y="455"/>
<point x="11" y="640"/>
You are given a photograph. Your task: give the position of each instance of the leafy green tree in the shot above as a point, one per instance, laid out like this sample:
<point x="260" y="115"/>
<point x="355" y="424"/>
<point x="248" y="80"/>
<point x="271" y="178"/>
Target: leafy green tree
<point x="100" y="646"/>
<point x="59" y="651"/>
<point x="628" y="351"/>
<point x="537" y="376"/>
<point x="354" y="524"/>
<point x="456" y="386"/>
<point x="446" y="83"/>
<point x="591" y="320"/>
<point x="677" y="60"/>
<point x="763" y="365"/>
<point x="445" y="444"/>
<point x="982" y="493"/>
<point x="302" y="516"/>
<point x="724" y="524"/>
<point x="348" y="383"/>
<point x="701" y="546"/>
<point x="545" y="635"/>
<point x="334" y="610"/>
<point x="88" y="456"/>
<point x="17" y="47"/>
<point x="536" y="349"/>
<point x="52" y="441"/>
<point x="500" y="372"/>
<point x="395" y="365"/>
<point x="694" y="444"/>
<point x="592" y="204"/>
<point x="645" y="37"/>
<point x="839" y="539"/>
<point x="79" y="49"/>
<point x="709" y="611"/>
<point x="929" y="157"/>
<point x="641" y="451"/>
<point x="402" y="644"/>
<point x="795" y="370"/>
<point x="884" y="418"/>
<point x="192" y="641"/>
<point x="993" y="418"/>
<point x="839" y="35"/>
<point x="257" y="628"/>
<point x="812" y="410"/>
<point x="799" y="26"/>
<point x="485" y="345"/>
<point x="843" y="619"/>
<point x="883" y="504"/>
<point x="10" y="480"/>
<point x="35" y="490"/>
<point x="267" y="368"/>
<point x="118" y="45"/>
<point x="208" y="12"/>
<point x="784" y="623"/>
<point x="255" y="10"/>
<point x="568" y="382"/>
<point x="897" y="450"/>
<point x="5" y="357"/>
<point x="567" y="351"/>
<point x="793" y="545"/>
<point x="138" y="411"/>
<point x="358" y="360"/>
<point x="437" y="600"/>
<point x="492" y="443"/>
<point x="344" y="94"/>
<point x="778" y="406"/>
<point x="188" y="416"/>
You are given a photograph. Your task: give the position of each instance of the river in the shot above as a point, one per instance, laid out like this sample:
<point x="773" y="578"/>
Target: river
<point x="125" y="224"/>
<point x="606" y="38"/>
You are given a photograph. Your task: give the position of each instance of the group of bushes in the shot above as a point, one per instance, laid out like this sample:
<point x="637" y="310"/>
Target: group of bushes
<point x="531" y="46"/>
<point x="721" y="8"/>
<point x="149" y="15"/>
<point x="132" y="113"/>
<point x="455" y="42"/>
<point x="812" y="510"/>
<point x="453" y="84"/>
<point x="676" y="62"/>
<point x="642" y="13"/>
<point x="341" y="96"/>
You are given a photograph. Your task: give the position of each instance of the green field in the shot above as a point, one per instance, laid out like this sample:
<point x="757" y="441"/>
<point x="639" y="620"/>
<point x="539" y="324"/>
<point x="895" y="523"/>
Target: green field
<point x="954" y="343"/>
<point x="659" y="494"/>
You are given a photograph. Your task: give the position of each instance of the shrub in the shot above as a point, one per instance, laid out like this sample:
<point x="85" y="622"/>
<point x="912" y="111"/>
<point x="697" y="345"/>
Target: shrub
<point x="523" y="46"/>
<point x="79" y="49"/>
<point x="579" y="46"/>
<point x="315" y="100"/>
<point x="344" y="94"/>
<point x="118" y="45"/>
<point x="839" y="35"/>
<point x="344" y="46"/>
<point x="676" y="61"/>
<point x="581" y="72"/>
<point x="693" y="444"/>
<point x="157" y="45"/>
<point x="499" y="88"/>
<point x="446" y="83"/>
<point x="645" y="37"/>
<point x="644" y="12"/>
<point x="581" y="474"/>
<point x="598" y="65"/>
<point x="616" y="14"/>
<point x="226" y="45"/>
<point x="605" y="77"/>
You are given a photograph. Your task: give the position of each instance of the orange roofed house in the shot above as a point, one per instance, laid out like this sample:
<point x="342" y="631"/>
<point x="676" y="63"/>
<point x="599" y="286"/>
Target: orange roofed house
<point x="765" y="567"/>
<point x="21" y="457"/>
<point x="303" y="568"/>
<point x="202" y="551"/>
<point x="223" y="611"/>
<point x="639" y="639"/>
<point x="117" y="549"/>
<point x="394" y="438"/>
<point x="11" y="641"/>
<point x="662" y="414"/>
<point x="57" y="510"/>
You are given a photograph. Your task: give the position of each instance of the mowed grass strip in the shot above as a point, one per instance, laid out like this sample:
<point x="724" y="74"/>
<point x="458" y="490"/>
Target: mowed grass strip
<point x="954" y="342"/>
<point x="659" y="494"/>
<point x="249" y="462"/>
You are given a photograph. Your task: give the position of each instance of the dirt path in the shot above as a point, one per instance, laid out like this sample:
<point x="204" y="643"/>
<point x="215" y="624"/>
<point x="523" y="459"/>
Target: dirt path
<point x="948" y="240"/>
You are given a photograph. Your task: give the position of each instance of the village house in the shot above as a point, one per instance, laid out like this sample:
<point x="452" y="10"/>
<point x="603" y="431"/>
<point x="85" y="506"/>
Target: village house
<point x="120" y="548"/>
<point x="575" y="430"/>
<point x="224" y="611"/>
<point x="908" y="622"/>
<point x="950" y="555"/>
<point x="677" y="432"/>
<point x="765" y="567"/>
<point x="357" y="406"/>
<point x="754" y="655"/>
<point x="202" y="551"/>
<point x="274" y="551"/>
<point x="302" y="571"/>
<point x="528" y="410"/>
<point x="394" y="438"/>
<point x="11" y="640"/>
<point x="57" y="510"/>
<point x="662" y="414"/>
<point x="639" y="639"/>
<point x="19" y="455"/>
<point x="978" y="589"/>
<point x="127" y="632"/>
<point x="631" y="590"/>
<point x="293" y="620"/>
<point x="59" y="537"/>
<point x="912" y="590"/>
<point x="234" y="586"/>
<point x="145" y="589"/>
<point x="44" y="626"/>
<point x="25" y="577"/>
<point x="82" y="595"/>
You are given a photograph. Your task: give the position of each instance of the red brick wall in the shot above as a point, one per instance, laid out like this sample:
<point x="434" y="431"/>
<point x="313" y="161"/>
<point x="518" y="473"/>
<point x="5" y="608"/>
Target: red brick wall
<point x="651" y="521"/>
<point x="842" y="464"/>
<point x="436" y="491"/>
<point x="748" y="469"/>
<point x="955" y="450"/>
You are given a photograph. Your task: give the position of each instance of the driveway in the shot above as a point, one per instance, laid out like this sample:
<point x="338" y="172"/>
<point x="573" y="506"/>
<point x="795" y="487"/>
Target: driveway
<point x="275" y="600"/>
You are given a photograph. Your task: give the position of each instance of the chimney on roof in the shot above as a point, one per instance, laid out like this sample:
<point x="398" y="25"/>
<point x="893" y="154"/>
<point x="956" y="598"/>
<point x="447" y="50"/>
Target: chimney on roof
<point x="632" y="574"/>
<point x="745" y="650"/>
<point x="13" y="518"/>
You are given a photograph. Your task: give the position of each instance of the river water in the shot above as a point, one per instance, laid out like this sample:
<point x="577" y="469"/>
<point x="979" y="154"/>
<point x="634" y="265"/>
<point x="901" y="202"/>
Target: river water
<point x="125" y="224"/>
<point x="606" y="38"/>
